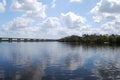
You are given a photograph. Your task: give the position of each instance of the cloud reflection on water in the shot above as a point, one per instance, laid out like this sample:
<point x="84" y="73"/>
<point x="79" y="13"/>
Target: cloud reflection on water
<point x="55" y="61"/>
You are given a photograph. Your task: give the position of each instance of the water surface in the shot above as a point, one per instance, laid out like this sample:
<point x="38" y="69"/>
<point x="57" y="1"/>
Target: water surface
<point x="58" y="61"/>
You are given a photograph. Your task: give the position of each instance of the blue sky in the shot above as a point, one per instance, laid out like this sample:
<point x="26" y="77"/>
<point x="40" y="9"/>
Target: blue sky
<point x="58" y="18"/>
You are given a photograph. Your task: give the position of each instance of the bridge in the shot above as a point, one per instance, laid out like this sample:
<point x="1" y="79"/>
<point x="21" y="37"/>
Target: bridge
<point x="23" y="39"/>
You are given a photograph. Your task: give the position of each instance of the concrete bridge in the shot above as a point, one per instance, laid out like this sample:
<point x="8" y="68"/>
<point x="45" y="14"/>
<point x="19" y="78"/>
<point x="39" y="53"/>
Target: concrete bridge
<point x="21" y="39"/>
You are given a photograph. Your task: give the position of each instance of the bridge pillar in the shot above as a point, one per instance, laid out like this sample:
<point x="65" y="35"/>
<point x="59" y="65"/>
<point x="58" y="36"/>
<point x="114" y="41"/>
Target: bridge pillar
<point x="31" y="40"/>
<point x="10" y="39"/>
<point x="37" y="40"/>
<point x="18" y="40"/>
<point x="25" y="40"/>
<point x="0" y="39"/>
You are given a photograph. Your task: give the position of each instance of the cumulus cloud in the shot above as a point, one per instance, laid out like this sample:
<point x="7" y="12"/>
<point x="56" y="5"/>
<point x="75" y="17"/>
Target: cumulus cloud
<point x="53" y="3"/>
<point x="75" y="0"/>
<point x="24" y="25"/>
<point x="21" y="22"/>
<point x="50" y="22"/>
<point x="107" y="6"/>
<point x="51" y="27"/>
<point x="72" y="20"/>
<point x="33" y="8"/>
<point x="18" y="26"/>
<point x="108" y="9"/>
<point x="110" y="28"/>
<point x="107" y="12"/>
<point x="55" y="27"/>
<point x="97" y="18"/>
<point x="2" y="6"/>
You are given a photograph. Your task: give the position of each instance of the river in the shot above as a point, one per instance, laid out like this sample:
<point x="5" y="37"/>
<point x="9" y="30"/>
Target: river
<point x="58" y="61"/>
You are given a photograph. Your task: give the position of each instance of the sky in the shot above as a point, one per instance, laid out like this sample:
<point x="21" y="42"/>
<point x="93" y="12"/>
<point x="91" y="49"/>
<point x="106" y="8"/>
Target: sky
<point x="54" y="19"/>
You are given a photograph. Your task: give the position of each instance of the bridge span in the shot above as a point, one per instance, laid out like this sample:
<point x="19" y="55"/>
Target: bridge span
<point x="23" y="39"/>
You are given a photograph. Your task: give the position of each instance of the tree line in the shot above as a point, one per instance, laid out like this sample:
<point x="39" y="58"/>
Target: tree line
<point x="93" y="38"/>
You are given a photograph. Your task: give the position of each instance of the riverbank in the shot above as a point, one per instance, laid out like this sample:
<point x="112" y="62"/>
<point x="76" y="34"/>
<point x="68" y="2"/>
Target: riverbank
<point x="85" y="39"/>
<point x="92" y="39"/>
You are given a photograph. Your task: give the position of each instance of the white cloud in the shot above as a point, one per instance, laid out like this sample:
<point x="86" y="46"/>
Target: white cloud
<point x="107" y="9"/>
<point x="75" y="0"/>
<point x="72" y="20"/>
<point x="107" y="6"/>
<point x="17" y="27"/>
<point x="50" y="22"/>
<point x="24" y="26"/>
<point x="4" y="2"/>
<point x="2" y="6"/>
<point x="53" y="4"/>
<point x="21" y="22"/>
<point x="33" y="8"/>
<point x="51" y="28"/>
<point x="107" y="12"/>
<point x="56" y="27"/>
<point x="110" y="28"/>
<point x="97" y="18"/>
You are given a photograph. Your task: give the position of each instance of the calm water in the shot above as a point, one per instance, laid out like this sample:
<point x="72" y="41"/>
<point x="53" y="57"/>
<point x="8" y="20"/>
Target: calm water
<point x="58" y="61"/>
